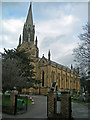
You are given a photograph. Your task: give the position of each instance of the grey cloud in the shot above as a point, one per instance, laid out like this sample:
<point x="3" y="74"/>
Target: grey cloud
<point x="47" y="41"/>
<point x="66" y="60"/>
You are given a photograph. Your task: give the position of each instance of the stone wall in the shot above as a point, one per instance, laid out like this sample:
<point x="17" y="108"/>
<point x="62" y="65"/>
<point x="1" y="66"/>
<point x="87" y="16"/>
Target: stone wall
<point x="41" y="91"/>
<point x="44" y="91"/>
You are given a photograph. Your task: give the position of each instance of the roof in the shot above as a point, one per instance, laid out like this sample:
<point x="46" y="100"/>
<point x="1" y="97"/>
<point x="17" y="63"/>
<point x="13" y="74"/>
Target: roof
<point x="57" y="64"/>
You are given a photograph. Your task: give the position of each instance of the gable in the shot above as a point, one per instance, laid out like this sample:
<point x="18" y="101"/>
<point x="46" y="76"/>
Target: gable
<point x="43" y="61"/>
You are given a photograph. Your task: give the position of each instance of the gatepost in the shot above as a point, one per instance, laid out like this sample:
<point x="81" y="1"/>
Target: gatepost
<point x="51" y="104"/>
<point x="13" y="99"/>
<point x="66" y="105"/>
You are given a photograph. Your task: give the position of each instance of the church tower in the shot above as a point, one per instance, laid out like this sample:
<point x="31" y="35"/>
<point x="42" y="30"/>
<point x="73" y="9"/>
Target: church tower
<point x="29" y="28"/>
<point x="28" y="36"/>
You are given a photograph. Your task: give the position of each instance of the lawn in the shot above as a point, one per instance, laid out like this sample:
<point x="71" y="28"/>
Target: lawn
<point x="77" y="101"/>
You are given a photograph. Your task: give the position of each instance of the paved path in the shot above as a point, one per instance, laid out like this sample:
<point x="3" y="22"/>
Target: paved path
<point x="80" y="110"/>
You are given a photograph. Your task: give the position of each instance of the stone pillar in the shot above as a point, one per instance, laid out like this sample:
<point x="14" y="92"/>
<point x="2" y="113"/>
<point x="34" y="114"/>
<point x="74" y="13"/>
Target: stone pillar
<point x="51" y="104"/>
<point x="13" y="101"/>
<point x="65" y="104"/>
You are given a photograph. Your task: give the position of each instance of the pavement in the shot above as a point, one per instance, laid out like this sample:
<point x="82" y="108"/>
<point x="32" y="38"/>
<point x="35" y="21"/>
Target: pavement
<point x="39" y="109"/>
<point x="80" y="110"/>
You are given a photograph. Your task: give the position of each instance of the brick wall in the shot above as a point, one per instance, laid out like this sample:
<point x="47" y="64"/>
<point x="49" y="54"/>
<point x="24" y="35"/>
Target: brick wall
<point x="51" y="104"/>
<point x="65" y="105"/>
<point x="13" y="102"/>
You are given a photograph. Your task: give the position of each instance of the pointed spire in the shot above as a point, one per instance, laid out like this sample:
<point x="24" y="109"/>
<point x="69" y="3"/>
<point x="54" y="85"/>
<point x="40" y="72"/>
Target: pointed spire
<point x="71" y="66"/>
<point x="49" y="55"/>
<point x="36" y="41"/>
<point x="43" y="55"/>
<point x="19" y="40"/>
<point x="78" y="70"/>
<point x="29" y="20"/>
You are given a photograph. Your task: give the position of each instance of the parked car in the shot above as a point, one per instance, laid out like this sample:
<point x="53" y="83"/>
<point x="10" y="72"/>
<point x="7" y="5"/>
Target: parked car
<point x="58" y="96"/>
<point x="8" y="92"/>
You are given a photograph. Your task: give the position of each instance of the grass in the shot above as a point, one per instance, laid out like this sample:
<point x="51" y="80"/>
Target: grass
<point x="77" y="101"/>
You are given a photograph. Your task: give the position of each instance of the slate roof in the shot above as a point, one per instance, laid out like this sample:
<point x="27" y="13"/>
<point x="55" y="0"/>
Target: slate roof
<point x="57" y="64"/>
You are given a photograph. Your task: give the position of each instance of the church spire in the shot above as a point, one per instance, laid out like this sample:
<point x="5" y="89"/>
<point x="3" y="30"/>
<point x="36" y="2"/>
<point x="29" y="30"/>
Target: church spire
<point x="29" y="20"/>
<point x="29" y="28"/>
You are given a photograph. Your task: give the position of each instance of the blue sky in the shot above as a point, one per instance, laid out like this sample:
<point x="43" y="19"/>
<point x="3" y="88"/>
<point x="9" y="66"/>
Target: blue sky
<point x="57" y="26"/>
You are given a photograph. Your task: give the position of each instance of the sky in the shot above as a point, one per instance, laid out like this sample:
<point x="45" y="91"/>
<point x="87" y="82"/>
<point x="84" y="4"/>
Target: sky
<point x="57" y="27"/>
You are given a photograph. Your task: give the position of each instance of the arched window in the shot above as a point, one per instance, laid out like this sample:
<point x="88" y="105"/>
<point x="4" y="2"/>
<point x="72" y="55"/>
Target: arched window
<point x="43" y="79"/>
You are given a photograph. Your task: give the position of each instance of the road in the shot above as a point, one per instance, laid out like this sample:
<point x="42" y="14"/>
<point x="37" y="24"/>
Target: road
<point x="80" y="110"/>
<point x="39" y="109"/>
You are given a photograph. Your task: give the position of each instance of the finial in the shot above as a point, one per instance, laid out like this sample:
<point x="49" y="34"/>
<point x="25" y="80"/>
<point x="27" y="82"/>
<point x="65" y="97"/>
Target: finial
<point x="49" y="55"/>
<point x="36" y="38"/>
<point x="30" y="4"/>
<point x="20" y="40"/>
<point x="43" y="55"/>
<point x="49" y="52"/>
<point x="71" y="66"/>
<point x="78" y="70"/>
<point x="36" y="42"/>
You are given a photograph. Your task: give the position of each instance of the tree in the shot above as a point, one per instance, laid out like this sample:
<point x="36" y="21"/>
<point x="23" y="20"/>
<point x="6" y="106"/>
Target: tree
<point x="82" y="54"/>
<point x="17" y="70"/>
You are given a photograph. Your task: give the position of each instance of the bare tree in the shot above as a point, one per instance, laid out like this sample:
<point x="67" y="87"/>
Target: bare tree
<point x="82" y="54"/>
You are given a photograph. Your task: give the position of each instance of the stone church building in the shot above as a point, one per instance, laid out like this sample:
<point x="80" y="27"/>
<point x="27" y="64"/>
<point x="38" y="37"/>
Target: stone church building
<point x="47" y="71"/>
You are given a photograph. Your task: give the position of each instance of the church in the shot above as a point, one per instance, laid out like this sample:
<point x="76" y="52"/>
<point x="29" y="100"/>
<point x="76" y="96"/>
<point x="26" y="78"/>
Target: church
<point x="47" y="71"/>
